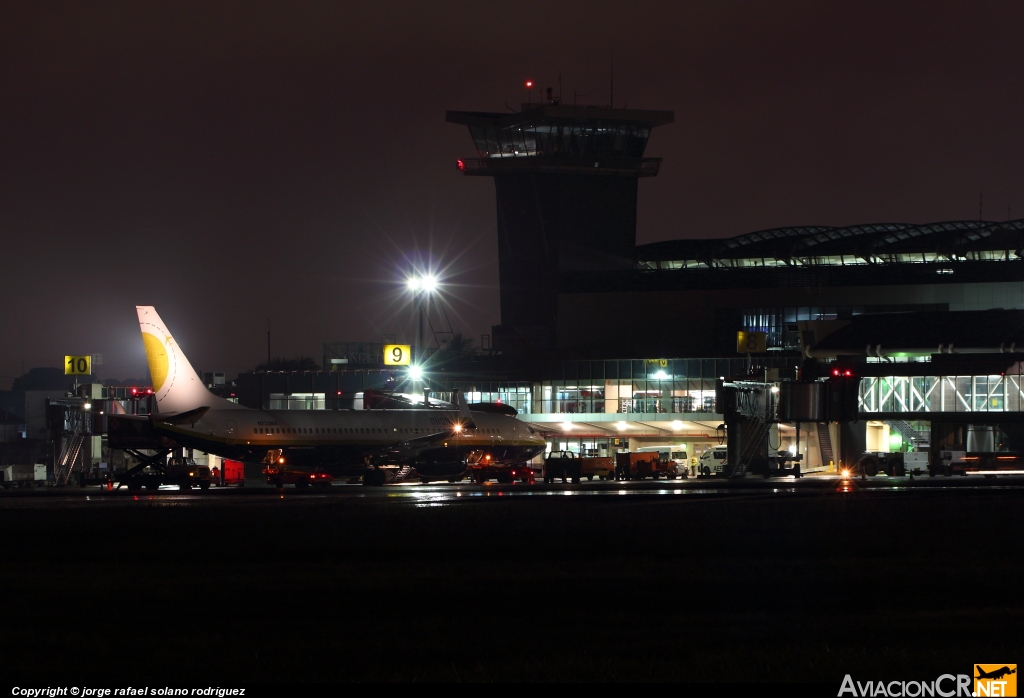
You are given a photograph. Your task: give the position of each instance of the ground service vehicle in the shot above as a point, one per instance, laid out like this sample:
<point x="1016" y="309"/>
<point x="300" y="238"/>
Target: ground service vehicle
<point x="639" y="466"/>
<point x="25" y="475"/>
<point x="916" y="462"/>
<point x="712" y="461"/>
<point x="486" y="470"/>
<point x="601" y="467"/>
<point x="563" y="465"/>
<point x="946" y="461"/>
<point x="231" y="472"/>
<point x="875" y="462"/>
<point x="990" y="464"/>
<point x="280" y="477"/>
<point x="178" y="470"/>
<point x="566" y="465"/>
<point x="504" y="474"/>
<point x="674" y="458"/>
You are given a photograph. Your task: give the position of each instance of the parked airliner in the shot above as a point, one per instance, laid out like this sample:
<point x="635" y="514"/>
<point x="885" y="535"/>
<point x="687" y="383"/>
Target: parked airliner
<point x="438" y="443"/>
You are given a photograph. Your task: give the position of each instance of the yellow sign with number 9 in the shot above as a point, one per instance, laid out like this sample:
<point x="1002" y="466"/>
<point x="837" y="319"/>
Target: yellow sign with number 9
<point x="397" y="354"/>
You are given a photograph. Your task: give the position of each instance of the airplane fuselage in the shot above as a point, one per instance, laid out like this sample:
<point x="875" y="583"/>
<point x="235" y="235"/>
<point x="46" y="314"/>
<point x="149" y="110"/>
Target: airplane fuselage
<point x="348" y="442"/>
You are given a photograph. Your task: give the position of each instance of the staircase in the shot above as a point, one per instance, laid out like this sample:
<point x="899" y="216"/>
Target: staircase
<point x="67" y="459"/>
<point x="825" y="445"/>
<point x="909" y="433"/>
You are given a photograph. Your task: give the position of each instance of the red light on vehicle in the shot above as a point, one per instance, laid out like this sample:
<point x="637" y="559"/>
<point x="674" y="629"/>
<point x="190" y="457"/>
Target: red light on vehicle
<point x="462" y="167"/>
<point x="848" y="373"/>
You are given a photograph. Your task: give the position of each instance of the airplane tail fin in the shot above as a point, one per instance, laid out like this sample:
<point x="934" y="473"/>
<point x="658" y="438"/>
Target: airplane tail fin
<point x="176" y="385"/>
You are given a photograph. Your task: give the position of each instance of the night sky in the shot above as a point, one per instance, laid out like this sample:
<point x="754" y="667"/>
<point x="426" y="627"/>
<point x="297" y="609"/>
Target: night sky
<point x="232" y="163"/>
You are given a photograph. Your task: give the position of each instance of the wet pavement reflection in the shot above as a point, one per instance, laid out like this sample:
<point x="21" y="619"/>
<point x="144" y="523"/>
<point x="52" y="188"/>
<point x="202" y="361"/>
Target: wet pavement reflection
<point x="445" y="494"/>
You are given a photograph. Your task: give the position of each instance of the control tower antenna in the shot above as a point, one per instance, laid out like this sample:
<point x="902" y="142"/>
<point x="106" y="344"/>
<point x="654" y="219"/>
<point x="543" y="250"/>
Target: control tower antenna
<point x="611" y="82"/>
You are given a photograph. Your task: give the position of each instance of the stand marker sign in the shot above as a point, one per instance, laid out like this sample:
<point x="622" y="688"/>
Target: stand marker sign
<point x="78" y="365"/>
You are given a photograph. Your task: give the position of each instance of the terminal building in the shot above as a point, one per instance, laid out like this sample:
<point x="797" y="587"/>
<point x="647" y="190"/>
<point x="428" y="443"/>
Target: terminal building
<point x="931" y="316"/>
<point x="876" y="337"/>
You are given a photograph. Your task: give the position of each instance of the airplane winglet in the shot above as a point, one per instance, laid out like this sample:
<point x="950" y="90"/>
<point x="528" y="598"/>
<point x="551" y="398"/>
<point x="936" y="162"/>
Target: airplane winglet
<point x="465" y="418"/>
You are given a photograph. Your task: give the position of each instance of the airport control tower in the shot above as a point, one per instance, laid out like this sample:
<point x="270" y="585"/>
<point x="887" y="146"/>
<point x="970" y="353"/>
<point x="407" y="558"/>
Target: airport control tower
<point x="566" y="181"/>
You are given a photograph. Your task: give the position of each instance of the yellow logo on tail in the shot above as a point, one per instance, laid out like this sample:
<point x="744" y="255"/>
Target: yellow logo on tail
<point x="159" y="363"/>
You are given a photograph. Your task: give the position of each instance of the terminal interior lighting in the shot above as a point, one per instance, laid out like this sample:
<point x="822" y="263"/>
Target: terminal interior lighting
<point x="566" y="426"/>
<point x="677" y="425"/>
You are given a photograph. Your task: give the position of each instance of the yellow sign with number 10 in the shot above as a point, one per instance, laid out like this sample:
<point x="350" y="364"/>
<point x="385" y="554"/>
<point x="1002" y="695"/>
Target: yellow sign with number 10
<point x="78" y="365"/>
<point x="397" y="354"/>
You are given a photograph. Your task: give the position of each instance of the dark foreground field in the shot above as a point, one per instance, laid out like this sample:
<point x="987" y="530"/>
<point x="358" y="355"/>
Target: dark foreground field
<point x="766" y="588"/>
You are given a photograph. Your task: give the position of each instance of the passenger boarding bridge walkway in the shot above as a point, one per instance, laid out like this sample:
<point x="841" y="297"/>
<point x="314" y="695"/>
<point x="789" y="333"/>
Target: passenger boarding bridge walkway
<point x="976" y="398"/>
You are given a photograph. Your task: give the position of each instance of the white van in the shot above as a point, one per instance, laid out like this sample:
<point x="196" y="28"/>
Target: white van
<point x="712" y="461"/>
<point x="675" y="456"/>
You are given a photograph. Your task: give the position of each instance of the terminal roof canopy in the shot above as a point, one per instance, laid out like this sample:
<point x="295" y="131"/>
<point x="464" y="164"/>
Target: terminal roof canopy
<point x="855" y="244"/>
<point x="553" y="130"/>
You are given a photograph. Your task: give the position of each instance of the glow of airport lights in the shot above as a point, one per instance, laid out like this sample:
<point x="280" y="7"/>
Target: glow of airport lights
<point x="660" y="375"/>
<point x="621" y="426"/>
<point x="415" y="373"/>
<point x="677" y="425"/>
<point x="567" y="426"/>
<point x="426" y="283"/>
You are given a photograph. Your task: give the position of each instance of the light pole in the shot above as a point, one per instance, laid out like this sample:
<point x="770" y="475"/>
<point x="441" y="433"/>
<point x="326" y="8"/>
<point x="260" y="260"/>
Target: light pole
<point x="422" y="286"/>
